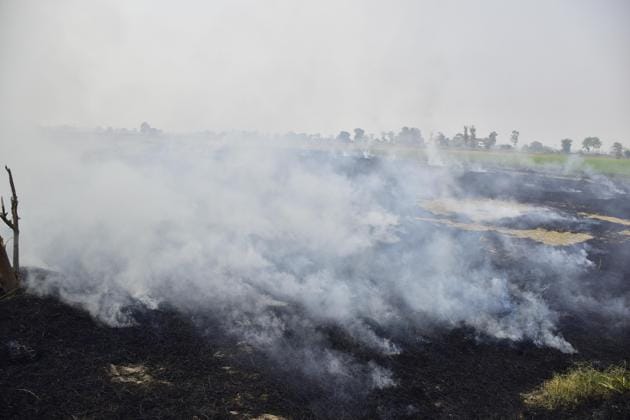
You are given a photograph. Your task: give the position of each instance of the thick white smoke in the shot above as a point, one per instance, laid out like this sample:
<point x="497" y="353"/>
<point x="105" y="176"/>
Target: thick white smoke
<point x="273" y="241"/>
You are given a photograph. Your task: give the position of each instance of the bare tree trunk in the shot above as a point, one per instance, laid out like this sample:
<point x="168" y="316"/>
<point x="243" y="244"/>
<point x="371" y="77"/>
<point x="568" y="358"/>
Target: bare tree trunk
<point x="7" y="275"/>
<point x="14" y="224"/>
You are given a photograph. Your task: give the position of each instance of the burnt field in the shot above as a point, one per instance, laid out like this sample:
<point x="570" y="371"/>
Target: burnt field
<point x="273" y="210"/>
<point x="484" y="286"/>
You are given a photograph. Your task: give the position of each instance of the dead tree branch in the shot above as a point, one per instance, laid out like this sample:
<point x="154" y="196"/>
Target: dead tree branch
<point x="14" y="225"/>
<point x="3" y="215"/>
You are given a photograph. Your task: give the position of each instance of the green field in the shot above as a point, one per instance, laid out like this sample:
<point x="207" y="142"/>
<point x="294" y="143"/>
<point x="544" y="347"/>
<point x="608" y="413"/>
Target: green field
<point x="569" y="164"/>
<point x="573" y="163"/>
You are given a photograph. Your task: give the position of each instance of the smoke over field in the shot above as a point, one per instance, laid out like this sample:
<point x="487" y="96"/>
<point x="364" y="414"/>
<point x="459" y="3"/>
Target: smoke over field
<point x="357" y="209"/>
<point x="284" y="246"/>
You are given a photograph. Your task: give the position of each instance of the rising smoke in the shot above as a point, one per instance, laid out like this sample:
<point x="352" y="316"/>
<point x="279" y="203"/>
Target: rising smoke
<point x="278" y="242"/>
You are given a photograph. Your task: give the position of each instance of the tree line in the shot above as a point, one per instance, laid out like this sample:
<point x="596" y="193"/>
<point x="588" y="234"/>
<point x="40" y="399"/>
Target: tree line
<point x="469" y="139"/>
<point x="412" y="136"/>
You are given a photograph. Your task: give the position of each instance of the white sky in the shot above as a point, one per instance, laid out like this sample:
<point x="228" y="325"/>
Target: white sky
<point x="551" y="69"/>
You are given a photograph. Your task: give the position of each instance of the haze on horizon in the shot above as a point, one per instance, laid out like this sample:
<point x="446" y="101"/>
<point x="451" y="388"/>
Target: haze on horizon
<point x="549" y="69"/>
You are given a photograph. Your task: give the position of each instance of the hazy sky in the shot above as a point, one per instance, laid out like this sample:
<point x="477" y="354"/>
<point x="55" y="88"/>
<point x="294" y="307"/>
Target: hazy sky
<point x="551" y="69"/>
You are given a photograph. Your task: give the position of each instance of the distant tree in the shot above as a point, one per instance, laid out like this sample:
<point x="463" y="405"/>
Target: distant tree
<point x="626" y="153"/>
<point x="403" y="135"/>
<point x="441" y="140"/>
<point x="344" y="136"/>
<point x="514" y="137"/>
<point x="617" y="150"/>
<point x="459" y="140"/>
<point x="359" y="134"/>
<point x="491" y="140"/>
<point x="466" y="136"/>
<point x="389" y="137"/>
<point x="145" y="128"/>
<point x="566" y="145"/>
<point x="473" y="136"/>
<point x="410" y="135"/>
<point x="591" y="143"/>
<point x="416" y="136"/>
<point x="536" y="147"/>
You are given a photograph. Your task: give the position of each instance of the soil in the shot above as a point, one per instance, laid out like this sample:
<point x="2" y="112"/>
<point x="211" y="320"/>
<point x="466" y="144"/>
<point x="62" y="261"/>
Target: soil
<point x="166" y="368"/>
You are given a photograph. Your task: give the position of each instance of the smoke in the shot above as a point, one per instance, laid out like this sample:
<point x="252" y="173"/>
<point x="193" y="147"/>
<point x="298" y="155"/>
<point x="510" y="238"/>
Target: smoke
<point x="279" y="245"/>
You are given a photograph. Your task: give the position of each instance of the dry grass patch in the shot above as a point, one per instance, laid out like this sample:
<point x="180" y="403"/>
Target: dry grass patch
<point x="610" y="219"/>
<point x="477" y="210"/>
<point x="544" y="236"/>
<point x="133" y="374"/>
<point x="581" y="384"/>
<point x="548" y="237"/>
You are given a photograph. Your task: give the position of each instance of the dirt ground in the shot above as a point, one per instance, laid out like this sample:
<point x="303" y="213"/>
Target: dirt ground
<point x="165" y="368"/>
<point x="160" y="369"/>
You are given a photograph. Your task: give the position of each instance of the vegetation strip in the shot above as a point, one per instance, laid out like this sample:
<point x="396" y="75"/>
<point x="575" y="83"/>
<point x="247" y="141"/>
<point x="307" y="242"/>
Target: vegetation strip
<point x="580" y="384"/>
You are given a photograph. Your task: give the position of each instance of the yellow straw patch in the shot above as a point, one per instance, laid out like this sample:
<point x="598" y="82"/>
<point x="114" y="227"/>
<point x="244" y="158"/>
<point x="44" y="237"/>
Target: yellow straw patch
<point x="609" y="219"/>
<point x="477" y="210"/>
<point x="547" y="237"/>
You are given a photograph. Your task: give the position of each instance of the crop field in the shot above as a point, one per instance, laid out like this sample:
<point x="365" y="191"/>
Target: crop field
<point x="571" y="164"/>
